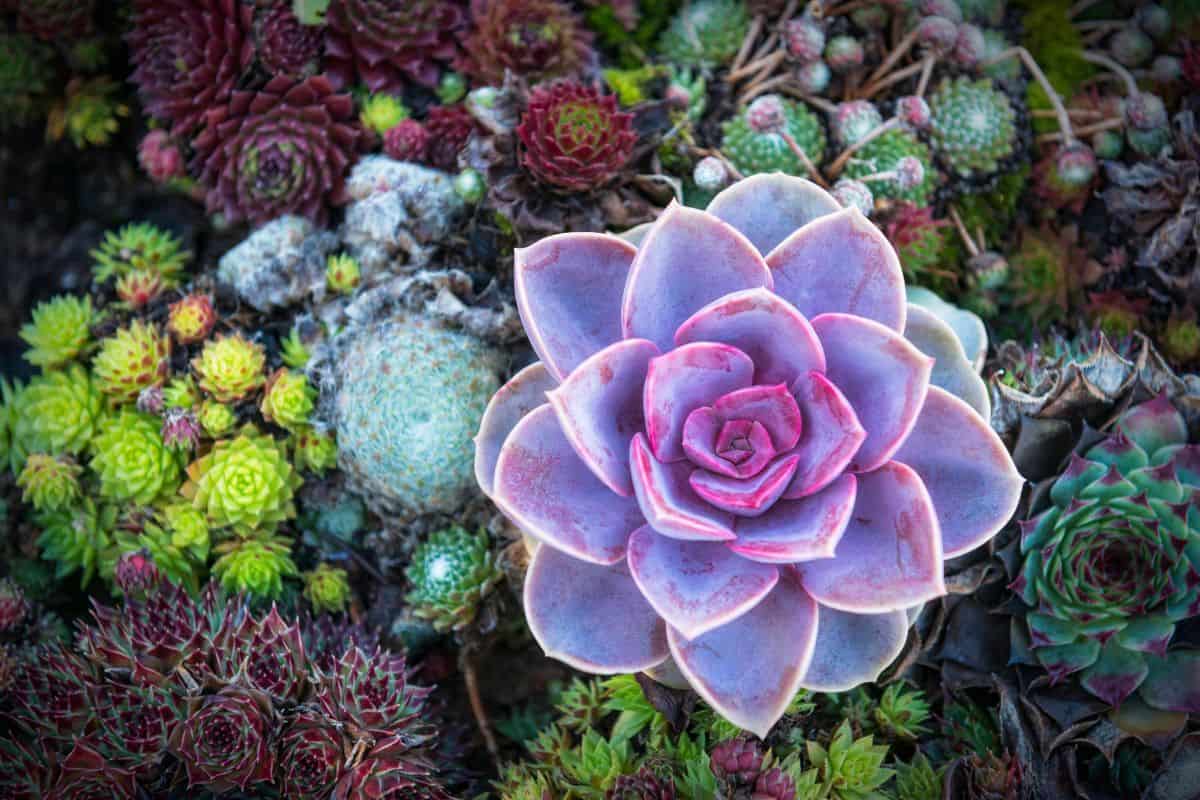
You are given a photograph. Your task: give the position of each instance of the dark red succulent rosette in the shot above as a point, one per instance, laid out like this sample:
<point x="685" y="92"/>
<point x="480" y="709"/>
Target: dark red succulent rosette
<point x="86" y="775"/>
<point x="534" y="39"/>
<point x="286" y="46"/>
<point x="226" y="742"/>
<point x="391" y="771"/>
<point x="134" y="724"/>
<point x="573" y="137"/>
<point x="371" y="694"/>
<point x="281" y="150"/>
<point x="386" y="43"/>
<point x="188" y="56"/>
<point x="268" y="654"/>
<point x="449" y="129"/>
<point x="49" y="694"/>
<point x="55" y="20"/>
<point x="25" y="770"/>
<point x="310" y="757"/>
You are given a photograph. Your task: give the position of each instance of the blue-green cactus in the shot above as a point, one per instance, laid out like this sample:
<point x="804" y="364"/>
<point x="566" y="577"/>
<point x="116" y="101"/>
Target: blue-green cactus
<point x="972" y="128"/>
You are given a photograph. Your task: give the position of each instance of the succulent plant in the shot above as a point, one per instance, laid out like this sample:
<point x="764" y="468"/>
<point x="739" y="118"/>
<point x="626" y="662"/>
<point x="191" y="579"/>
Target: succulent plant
<point x="574" y="137"/>
<point x="886" y="153"/>
<point x="59" y="331"/>
<point x="57" y="412"/>
<point x="161" y="157"/>
<point x="75" y="537"/>
<point x="381" y="112"/>
<point x="313" y="450"/>
<point x="450" y="573"/>
<point x="327" y="589"/>
<point x="14" y="607"/>
<point x="853" y="120"/>
<point x="131" y="460"/>
<point x="245" y="483"/>
<point x="972" y="127"/>
<point x="89" y="112"/>
<point x="705" y="34"/>
<point x="369" y="693"/>
<point x="140" y="247"/>
<point x="385" y="44"/>
<point x="850" y="193"/>
<point x="225" y="742"/>
<point x="283" y="149"/>
<point x="49" y="483"/>
<point x="922" y="243"/>
<point x="255" y="566"/>
<point x="136" y="574"/>
<point x="844" y="53"/>
<point x="804" y="38"/>
<point x="188" y="56"/>
<point x="406" y="141"/>
<point x="449" y="129"/>
<point x="25" y="75"/>
<point x="191" y="319"/>
<point x="49" y="696"/>
<point x="55" y="20"/>
<point x="179" y="557"/>
<point x="287" y="399"/>
<point x="230" y="368"/>
<point x="132" y="359"/>
<point x="342" y="273"/>
<point x="285" y="45"/>
<point x="1108" y="568"/>
<point x="766" y="485"/>
<point x="753" y="149"/>
<point x="136" y="290"/>
<point x="1064" y="178"/>
<point x="642" y="785"/>
<point x="216" y="419"/>
<point x="534" y="39"/>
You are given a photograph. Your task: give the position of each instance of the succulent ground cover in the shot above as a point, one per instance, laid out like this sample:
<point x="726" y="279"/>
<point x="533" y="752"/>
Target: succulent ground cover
<point x="599" y="399"/>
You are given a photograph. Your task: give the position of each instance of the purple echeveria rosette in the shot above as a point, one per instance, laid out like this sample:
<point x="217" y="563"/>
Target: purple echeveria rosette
<point x="735" y="462"/>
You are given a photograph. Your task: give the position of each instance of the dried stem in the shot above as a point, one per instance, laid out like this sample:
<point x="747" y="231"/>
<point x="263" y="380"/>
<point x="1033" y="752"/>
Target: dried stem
<point x="839" y="164"/>
<point x="968" y="242"/>
<point x="926" y="73"/>
<point x="1060" y="110"/>
<point x="467" y="665"/>
<point x="804" y="159"/>
<point x="768" y="63"/>
<point x="1110" y="124"/>
<point x="791" y="90"/>
<point x="1131" y="87"/>
<point x="747" y="42"/>
<point x="1076" y="113"/>
<point x="756" y="88"/>
<point x="897" y="76"/>
<point x="897" y="53"/>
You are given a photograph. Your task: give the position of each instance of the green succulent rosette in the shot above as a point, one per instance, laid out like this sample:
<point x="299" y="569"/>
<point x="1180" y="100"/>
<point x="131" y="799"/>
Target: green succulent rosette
<point x="131" y="460"/>
<point x="313" y="450"/>
<point x="58" y="331"/>
<point x="288" y="399"/>
<point x="450" y="573"/>
<point x="55" y="413"/>
<point x="255" y="566"/>
<point x="882" y="154"/>
<point x="49" y="483"/>
<point x="140" y="247"/>
<point x="972" y="126"/>
<point x="245" y="483"/>
<point x="230" y="367"/>
<point x="132" y="359"/>
<point x="217" y="419"/>
<point x="705" y="33"/>
<point x="753" y="152"/>
<point x="327" y="589"/>
<point x="76" y="537"/>
<point x="1113" y="564"/>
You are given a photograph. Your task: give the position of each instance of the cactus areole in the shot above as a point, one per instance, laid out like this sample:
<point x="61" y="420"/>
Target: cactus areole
<point x="734" y="463"/>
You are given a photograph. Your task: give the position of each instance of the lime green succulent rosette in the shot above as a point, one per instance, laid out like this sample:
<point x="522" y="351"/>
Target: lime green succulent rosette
<point x="132" y="359"/>
<point x="55" y="413"/>
<point x="381" y="112"/>
<point x="140" y="247"/>
<point x="450" y="573"/>
<point x="230" y="368"/>
<point x="131" y="460"/>
<point x="217" y="419"/>
<point x="342" y="273"/>
<point x="313" y="450"/>
<point x="327" y="589"/>
<point x="176" y="537"/>
<point x="255" y="566"/>
<point x="288" y="399"/>
<point x="181" y="393"/>
<point x="973" y="126"/>
<point x="293" y="350"/>
<point x="75" y="538"/>
<point x="50" y="483"/>
<point x="58" y="331"/>
<point x="245" y="483"/>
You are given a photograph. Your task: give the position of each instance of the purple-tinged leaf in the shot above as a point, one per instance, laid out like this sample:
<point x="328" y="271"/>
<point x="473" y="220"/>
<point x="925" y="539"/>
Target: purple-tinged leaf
<point x="853" y="649"/>
<point x="569" y="289"/>
<point x="764" y="326"/>
<point x="738" y="449"/>
<point x="769" y="207"/>
<point x="1062" y="660"/>
<point x="771" y="405"/>
<point x="1152" y="726"/>
<point x="668" y="502"/>
<point x="1116" y="674"/>
<point x="524" y="392"/>
<point x="799" y="530"/>
<point x="549" y="493"/>
<point x="746" y="497"/>
<point x="1154" y="424"/>
<point x="830" y="436"/>
<point x="952" y="370"/>
<point x="599" y="407"/>
<point x="1173" y="683"/>
<point x="687" y="260"/>
<point x="890" y="556"/>
<point x="696" y="586"/>
<point x="1147" y="634"/>
<point x="591" y="617"/>
<point x="750" y="669"/>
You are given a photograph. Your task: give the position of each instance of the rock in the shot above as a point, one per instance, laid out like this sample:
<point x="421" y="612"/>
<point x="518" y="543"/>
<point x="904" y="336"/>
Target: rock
<point x="281" y="263"/>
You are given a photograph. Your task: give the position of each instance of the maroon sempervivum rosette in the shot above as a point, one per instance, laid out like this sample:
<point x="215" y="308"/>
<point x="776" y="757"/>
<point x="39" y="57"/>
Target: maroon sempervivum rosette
<point x="310" y="757"/>
<point x="533" y="39"/>
<point x="188" y="56"/>
<point x="573" y="137"/>
<point x="733" y="458"/>
<point x="449" y="129"/>
<point x="55" y="20"/>
<point x="391" y="771"/>
<point x="281" y="150"/>
<point x="370" y="694"/>
<point x="226" y="740"/>
<point x="286" y="46"/>
<point x="134" y="724"/>
<point x="50" y="696"/>
<point x="385" y="43"/>
<point x="86" y="775"/>
<point x="268" y="654"/>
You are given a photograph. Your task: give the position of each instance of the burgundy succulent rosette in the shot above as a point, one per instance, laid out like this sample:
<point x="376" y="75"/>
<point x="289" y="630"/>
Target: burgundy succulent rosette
<point x="735" y="462"/>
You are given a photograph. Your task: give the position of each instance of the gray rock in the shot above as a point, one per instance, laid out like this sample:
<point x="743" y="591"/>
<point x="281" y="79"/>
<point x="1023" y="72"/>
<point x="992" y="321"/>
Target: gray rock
<point x="281" y="263"/>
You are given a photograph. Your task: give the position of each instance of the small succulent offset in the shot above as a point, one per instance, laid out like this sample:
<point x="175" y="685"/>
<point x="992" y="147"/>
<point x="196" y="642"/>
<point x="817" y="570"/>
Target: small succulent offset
<point x="755" y="496"/>
<point x="450" y="574"/>
<point x="972" y="126"/>
<point x="1111" y="566"/>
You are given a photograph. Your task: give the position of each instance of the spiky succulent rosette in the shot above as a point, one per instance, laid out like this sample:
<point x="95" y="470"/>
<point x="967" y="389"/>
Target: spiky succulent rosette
<point x="287" y="399"/>
<point x="255" y="566"/>
<point x="757" y="497"/>
<point x="225" y="742"/>
<point x="49" y="483"/>
<point x="286" y="46"/>
<point x="884" y="154"/>
<point x="139" y="247"/>
<point x="267" y="654"/>
<point x="58" y="331"/>
<point x="229" y="368"/>
<point x="191" y="319"/>
<point x="370" y="694"/>
<point x="56" y="413"/>
<point x="1111" y="566"/>
<point x="283" y="149"/>
<point x="132" y="359"/>
<point x="756" y="142"/>
<point x="386" y="43"/>
<point x="706" y="33"/>
<point x="245" y="483"/>
<point x="310" y="757"/>
<point x="132" y="461"/>
<point x="450" y="573"/>
<point x="972" y="126"/>
<point x="574" y="137"/>
<point x="49" y="697"/>
<point x="76" y="537"/>
<point x="188" y="56"/>
<point x="534" y="39"/>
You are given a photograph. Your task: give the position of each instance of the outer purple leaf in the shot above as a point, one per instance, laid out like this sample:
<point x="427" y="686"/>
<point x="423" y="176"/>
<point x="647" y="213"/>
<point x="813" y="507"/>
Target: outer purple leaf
<point x="746" y="497"/>
<point x="970" y="476"/>
<point x="799" y="530"/>
<point x="952" y="370"/>
<point x="687" y="260"/>
<point x="829" y="438"/>
<point x="750" y="669"/>
<point x="773" y="406"/>
<point x="768" y="207"/>
<point x="599" y="406"/>
<point x="591" y="617"/>
<point x="765" y="327"/>
<point x="544" y="487"/>
<point x="841" y="264"/>
<point x="853" y="648"/>
<point x="890" y="556"/>
<point x="524" y="392"/>
<point x="1116" y="674"/>
<point x="704" y="441"/>
<point x="696" y="586"/>
<point x="569" y="288"/>
<point x="668" y="502"/>
<point x="683" y="380"/>
<point x="884" y="377"/>
<point x="1174" y="682"/>
<point x="1154" y="424"/>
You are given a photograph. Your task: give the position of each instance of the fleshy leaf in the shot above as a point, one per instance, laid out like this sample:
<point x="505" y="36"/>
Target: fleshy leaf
<point x="829" y="437"/>
<point x="524" y="392"/>
<point x="599" y="407"/>
<point x="683" y="380"/>
<point x="967" y="325"/>
<point x="841" y="264"/>
<point x="769" y="207"/>
<point x="1173" y="683"/>
<point x="668" y="502"/>
<point x="773" y="406"/>
<point x="746" y="497"/>
<point x="687" y="260"/>
<point x="696" y="586"/>
<point x="1116" y="674"/>
<point x="710" y="443"/>
<point x="1148" y="634"/>
<point x="1154" y="727"/>
<point x="764" y="326"/>
<point x="571" y="606"/>
<point x="1066" y="659"/>
<point x="969" y="474"/>
<point x="1154" y="424"/>
<point x="952" y="370"/>
<point x="750" y="669"/>
<point x="853" y="649"/>
<point x="799" y="530"/>
<point x="883" y="376"/>
<point x="545" y="488"/>
<point x="890" y="556"/>
<point x="569" y="289"/>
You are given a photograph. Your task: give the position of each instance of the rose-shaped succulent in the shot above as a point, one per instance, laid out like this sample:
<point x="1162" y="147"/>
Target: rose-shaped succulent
<point x="226" y="740"/>
<point x="533" y="39"/>
<point x="191" y="319"/>
<point x="370" y="693"/>
<point x="743" y="475"/>
<point x="217" y="419"/>
<point x="161" y="157"/>
<point x="389" y="772"/>
<point x="135" y="574"/>
<point x="49" y="483"/>
<point x="230" y="367"/>
<point x="138" y="289"/>
<point x="132" y="359"/>
<point x="450" y="573"/>
<point x="255" y="566"/>
<point x="1111" y="566"/>
<point x="280" y="150"/>
<point x="131" y="459"/>
<point x="58" y="330"/>
<point x="49" y="695"/>
<point x="327" y="589"/>
<point x="310" y="758"/>
<point x="87" y="775"/>
<point x="385" y="43"/>
<point x="246" y="483"/>
<point x="139" y="247"/>
<point x="286" y="46"/>
<point x="313" y="450"/>
<point x="135" y="722"/>
<point x="267" y="653"/>
<point x="287" y="399"/>
<point x="56" y="413"/>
